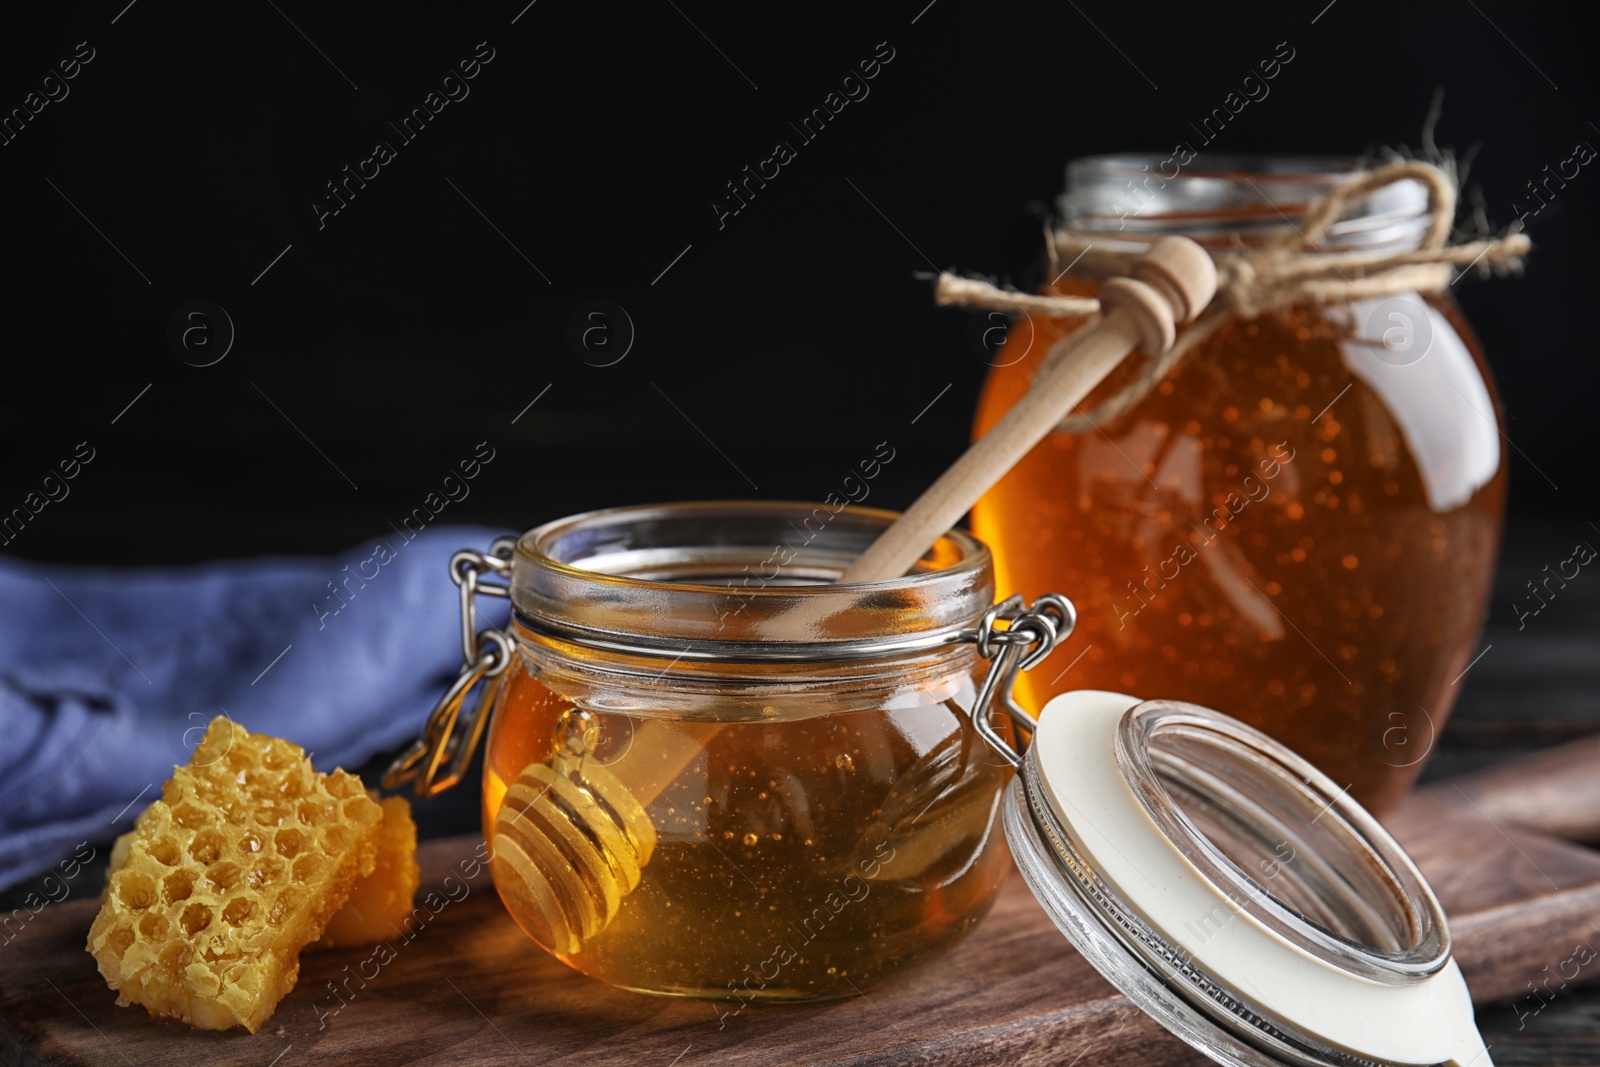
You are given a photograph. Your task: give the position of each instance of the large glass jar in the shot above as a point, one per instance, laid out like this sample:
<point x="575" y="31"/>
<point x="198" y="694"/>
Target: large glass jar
<point x="708" y="774"/>
<point x="1300" y="523"/>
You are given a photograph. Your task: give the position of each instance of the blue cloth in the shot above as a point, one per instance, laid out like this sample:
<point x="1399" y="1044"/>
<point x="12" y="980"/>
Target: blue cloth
<point x="108" y="678"/>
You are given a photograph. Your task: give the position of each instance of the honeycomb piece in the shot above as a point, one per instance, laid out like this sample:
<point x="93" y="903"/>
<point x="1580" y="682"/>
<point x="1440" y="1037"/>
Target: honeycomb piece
<point x="381" y="902"/>
<point x="228" y="876"/>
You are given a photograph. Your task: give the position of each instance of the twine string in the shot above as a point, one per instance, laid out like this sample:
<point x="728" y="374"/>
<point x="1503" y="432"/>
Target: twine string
<point x="1285" y="270"/>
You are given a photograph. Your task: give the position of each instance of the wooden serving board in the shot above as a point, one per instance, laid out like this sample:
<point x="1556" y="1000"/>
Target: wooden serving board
<point x="471" y="989"/>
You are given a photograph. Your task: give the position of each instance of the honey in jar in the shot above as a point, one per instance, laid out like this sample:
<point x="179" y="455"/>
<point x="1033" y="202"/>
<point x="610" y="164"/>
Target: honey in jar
<point x="793" y="858"/>
<point x="1298" y="524"/>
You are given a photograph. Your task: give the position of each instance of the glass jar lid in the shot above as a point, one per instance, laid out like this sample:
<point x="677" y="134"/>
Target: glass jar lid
<point x="1225" y="201"/>
<point x="1233" y="891"/>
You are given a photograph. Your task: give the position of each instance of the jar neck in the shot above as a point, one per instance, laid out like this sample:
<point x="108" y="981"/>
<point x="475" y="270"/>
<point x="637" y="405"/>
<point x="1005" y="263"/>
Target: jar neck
<point x="714" y="594"/>
<point x="1127" y="202"/>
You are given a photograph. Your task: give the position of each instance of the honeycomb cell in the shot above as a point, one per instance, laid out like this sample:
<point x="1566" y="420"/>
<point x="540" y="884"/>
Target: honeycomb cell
<point x="224" y="876"/>
<point x="178" y="886"/>
<point x="176" y="955"/>
<point x="316" y="812"/>
<point x="235" y="813"/>
<point x="153" y="926"/>
<point x="196" y="917"/>
<point x="164" y="850"/>
<point x="274" y="814"/>
<point x="285" y="905"/>
<point x="266" y="871"/>
<point x="137" y="891"/>
<point x="307" y="867"/>
<point x="355" y="809"/>
<point x="191" y="816"/>
<point x="336" y="838"/>
<point x="238" y="911"/>
<point x="207" y="847"/>
<point x="289" y="842"/>
<point x="121" y="938"/>
<point x="296" y="785"/>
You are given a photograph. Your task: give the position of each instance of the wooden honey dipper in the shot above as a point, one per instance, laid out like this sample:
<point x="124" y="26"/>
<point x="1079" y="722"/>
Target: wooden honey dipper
<point x="571" y="838"/>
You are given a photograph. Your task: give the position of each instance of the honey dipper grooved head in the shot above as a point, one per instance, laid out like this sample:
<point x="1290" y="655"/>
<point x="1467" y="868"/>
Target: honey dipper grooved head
<point x="1181" y="271"/>
<point x="570" y="842"/>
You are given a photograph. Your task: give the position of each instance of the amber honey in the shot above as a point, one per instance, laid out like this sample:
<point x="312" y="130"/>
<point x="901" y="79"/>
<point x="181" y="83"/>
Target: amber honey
<point x="1290" y="528"/>
<point x="802" y="853"/>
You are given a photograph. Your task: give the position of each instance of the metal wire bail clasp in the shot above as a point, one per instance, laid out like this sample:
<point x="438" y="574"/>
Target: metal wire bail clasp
<point x="1031" y="633"/>
<point x="485" y="655"/>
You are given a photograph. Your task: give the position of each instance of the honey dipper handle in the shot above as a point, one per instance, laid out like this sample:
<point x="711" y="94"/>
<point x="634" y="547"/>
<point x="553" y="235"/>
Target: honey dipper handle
<point x="1171" y="284"/>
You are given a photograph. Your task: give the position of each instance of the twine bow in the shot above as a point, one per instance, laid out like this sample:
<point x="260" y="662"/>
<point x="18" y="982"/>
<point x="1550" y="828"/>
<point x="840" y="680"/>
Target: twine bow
<point x="1285" y="270"/>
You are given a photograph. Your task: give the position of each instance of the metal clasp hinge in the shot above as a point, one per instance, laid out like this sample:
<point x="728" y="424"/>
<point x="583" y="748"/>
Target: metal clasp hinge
<point x="452" y="734"/>
<point x="1030" y="634"/>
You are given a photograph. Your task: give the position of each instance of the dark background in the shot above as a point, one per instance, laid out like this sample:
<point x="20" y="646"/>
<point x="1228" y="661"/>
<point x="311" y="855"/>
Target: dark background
<point x="408" y="329"/>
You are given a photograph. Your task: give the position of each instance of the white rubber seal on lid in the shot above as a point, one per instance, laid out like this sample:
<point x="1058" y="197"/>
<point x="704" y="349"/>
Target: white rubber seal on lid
<point x="1422" y="1020"/>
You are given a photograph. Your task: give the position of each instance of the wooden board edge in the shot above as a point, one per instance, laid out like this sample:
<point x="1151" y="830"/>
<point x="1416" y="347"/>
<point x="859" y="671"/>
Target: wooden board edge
<point x="1498" y="970"/>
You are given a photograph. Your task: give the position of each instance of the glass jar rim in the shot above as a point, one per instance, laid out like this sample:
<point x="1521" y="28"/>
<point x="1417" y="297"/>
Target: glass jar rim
<point x="1224" y="200"/>
<point x="1228" y="766"/>
<point x="741" y="580"/>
